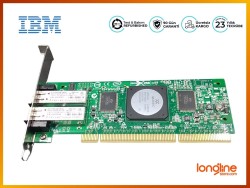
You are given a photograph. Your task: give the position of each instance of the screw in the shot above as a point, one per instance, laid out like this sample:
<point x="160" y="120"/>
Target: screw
<point x="43" y="137"/>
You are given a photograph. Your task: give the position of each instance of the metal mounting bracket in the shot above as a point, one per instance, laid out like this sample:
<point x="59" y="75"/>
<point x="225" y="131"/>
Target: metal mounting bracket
<point x="43" y="77"/>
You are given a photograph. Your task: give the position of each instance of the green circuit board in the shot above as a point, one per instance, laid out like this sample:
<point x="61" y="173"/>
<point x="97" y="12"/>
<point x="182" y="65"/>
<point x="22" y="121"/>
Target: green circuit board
<point x="196" y="110"/>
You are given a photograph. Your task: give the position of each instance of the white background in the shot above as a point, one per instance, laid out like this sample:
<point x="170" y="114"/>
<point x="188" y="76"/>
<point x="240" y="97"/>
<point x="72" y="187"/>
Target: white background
<point x="87" y="50"/>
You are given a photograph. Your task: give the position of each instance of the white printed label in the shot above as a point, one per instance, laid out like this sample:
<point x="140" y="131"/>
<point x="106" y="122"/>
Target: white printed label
<point x="147" y="102"/>
<point x="61" y="97"/>
<point x="58" y="113"/>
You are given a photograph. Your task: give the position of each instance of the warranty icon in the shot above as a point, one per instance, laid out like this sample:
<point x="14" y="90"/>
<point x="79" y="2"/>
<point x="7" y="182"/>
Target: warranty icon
<point x="157" y="24"/>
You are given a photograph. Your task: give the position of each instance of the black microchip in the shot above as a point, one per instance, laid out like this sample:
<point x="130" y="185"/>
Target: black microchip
<point x="186" y="101"/>
<point x="147" y="103"/>
<point x="108" y="102"/>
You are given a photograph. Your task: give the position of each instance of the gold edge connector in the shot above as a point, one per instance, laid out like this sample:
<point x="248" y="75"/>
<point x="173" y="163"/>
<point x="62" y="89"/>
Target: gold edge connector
<point x="138" y="138"/>
<point x="86" y="138"/>
<point x="204" y="138"/>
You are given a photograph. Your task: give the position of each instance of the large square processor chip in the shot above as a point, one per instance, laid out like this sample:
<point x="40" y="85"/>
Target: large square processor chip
<point x="147" y="103"/>
<point x="186" y="101"/>
<point x="108" y="102"/>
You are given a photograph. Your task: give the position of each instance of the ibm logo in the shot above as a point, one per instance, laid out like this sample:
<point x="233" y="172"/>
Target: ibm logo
<point x="36" y="24"/>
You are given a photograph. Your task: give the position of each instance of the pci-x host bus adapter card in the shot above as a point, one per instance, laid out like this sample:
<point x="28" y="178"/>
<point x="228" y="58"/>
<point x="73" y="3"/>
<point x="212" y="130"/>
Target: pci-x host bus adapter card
<point x="129" y="111"/>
